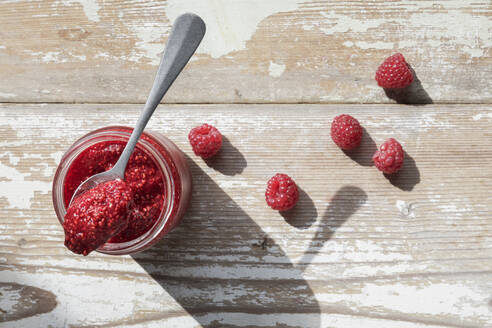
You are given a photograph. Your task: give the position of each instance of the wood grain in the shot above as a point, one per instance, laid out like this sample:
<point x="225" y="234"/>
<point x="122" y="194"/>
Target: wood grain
<point x="255" y="51"/>
<point x="359" y="250"/>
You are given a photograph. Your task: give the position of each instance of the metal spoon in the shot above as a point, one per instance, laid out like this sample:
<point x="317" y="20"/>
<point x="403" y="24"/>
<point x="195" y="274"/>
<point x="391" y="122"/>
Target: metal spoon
<point x="187" y="32"/>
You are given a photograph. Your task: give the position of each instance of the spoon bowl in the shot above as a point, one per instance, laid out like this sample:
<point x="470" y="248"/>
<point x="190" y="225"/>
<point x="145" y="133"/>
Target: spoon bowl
<point x="187" y="33"/>
<point x="93" y="181"/>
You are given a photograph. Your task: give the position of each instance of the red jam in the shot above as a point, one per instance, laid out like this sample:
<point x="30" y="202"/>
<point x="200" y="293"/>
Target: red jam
<point x="157" y="175"/>
<point x="96" y="215"/>
<point x="144" y="180"/>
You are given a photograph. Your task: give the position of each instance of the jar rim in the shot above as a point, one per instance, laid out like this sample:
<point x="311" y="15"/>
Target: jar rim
<point x="120" y="133"/>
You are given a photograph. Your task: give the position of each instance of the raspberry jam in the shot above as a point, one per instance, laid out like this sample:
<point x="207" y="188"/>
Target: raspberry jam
<point x="157" y="176"/>
<point x="142" y="176"/>
<point x="97" y="215"/>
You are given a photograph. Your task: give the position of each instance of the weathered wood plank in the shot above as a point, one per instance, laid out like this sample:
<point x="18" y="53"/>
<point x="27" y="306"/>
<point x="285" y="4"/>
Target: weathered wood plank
<point x="255" y="51"/>
<point x="359" y="250"/>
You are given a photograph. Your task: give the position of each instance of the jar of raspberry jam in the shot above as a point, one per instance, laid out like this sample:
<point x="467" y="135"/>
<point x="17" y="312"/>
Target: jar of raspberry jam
<point x="157" y="173"/>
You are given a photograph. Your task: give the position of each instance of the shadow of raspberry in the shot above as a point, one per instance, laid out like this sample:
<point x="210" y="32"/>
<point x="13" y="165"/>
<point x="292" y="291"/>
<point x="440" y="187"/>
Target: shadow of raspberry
<point x="304" y="214"/>
<point x="414" y="94"/>
<point x="407" y="177"/>
<point x="363" y="154"/>
<point x="228" y="160"/>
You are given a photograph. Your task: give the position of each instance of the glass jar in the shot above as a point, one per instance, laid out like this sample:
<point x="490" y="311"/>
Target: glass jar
<point x="169" y="160"/>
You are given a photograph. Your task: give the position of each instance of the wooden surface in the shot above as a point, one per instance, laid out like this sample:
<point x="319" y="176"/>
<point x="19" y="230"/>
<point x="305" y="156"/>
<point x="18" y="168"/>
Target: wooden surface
<point x="255" y="51"/>
<point x="359" y="250"/>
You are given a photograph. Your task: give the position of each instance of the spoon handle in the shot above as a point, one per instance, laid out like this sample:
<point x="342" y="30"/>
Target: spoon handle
<point x="187" y="33"/>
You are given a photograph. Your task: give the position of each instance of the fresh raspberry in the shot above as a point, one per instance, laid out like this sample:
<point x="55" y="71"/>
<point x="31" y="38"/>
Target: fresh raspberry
<point x="205" y="140"/>
<point x="394" y="73"/>
<point x="346" y="132"/>
<point x="389" y="157"/>
<point x="281" y="193"/>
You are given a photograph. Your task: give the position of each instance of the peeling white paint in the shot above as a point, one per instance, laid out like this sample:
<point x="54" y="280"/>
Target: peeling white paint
<point x="232" y="183"/>
<point x="90" y="7"/>
<point x="308" y="27"/>
<point x="341" y="23"/>
<point x="434" y="198"/>
<point x="276" y="70"/>
<point x="48" y="170"/>
<point x="52" y="56"/>
<point x="474" y="52"/>
<point x="57" y="156"/>
<point x="429" y="120"/>
<point x="374" y="45"/>
<point x="359" y="251"/>
<point x="405" y="209"/>
<point x="471" y="32"/>
<point x="436" y="299"/>
<point x="482" y="115"/>
<point x="17" y="190"/>
<point x="454" y="25"/>
<point x="343" y="321"/>
<point x="48" y="57"/>
<point x="102" y="55"/>
<point x="7" y="95"/>
<point x="79" y="57"/>
<point x="407" y="44"/>
<point x="90" y="293"/>
<point x="462" y="208"/>
<point x="450" y="299"/>
<point x="457" y="299"/>
<point x="149" y="44"/>
<point x="13" y="160"/>
<point x="378" y="268"/>
<point x="332" y="320"/>
<point x="9" y="300"/>
<point x="229" y="26"/>
<point x="170" y="322"/>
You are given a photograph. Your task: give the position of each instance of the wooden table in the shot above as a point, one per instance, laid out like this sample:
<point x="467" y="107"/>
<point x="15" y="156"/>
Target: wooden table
<point x="359" y="250"/>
